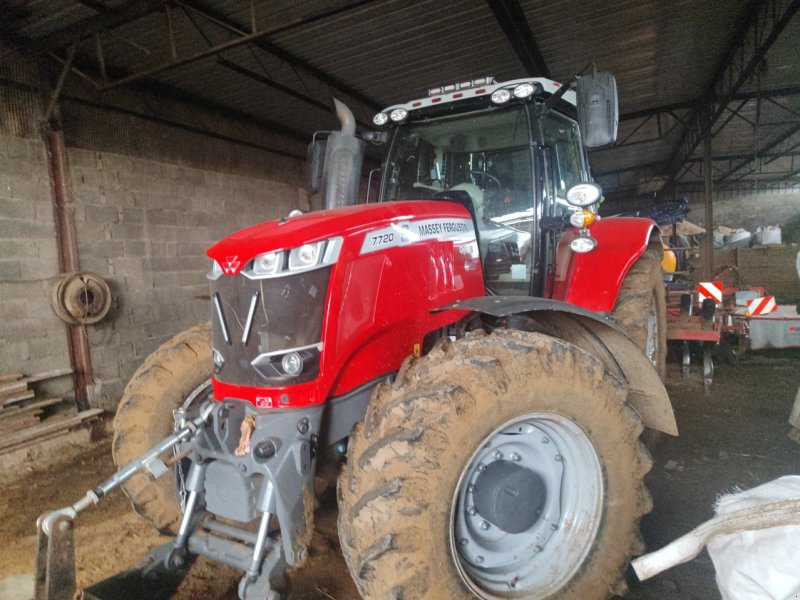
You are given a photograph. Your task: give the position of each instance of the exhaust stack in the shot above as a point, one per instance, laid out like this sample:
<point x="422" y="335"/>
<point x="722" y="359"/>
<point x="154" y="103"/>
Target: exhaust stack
<point x="344" y="155"/>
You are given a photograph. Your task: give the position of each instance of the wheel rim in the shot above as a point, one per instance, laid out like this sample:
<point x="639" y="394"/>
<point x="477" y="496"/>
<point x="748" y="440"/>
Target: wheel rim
<point x="500" y="552"/>
<point x="651" y="343"/>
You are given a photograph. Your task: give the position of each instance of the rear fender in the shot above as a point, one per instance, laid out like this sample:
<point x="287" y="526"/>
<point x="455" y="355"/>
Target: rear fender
<point x="592" y="280"/>
<point x="598" y="336"/>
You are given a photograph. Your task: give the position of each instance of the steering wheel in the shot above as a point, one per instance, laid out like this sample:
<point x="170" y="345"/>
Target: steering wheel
<point x="486" y="177"/>
<point x="492" y="190"/>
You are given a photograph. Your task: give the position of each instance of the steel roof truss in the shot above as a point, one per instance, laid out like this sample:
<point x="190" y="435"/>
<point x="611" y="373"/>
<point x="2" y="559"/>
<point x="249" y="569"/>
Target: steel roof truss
<point x="512" y="21"/>
<point x="760" y="29"/>
<point x="265" y="45"/>
<point x="786" y="135"/>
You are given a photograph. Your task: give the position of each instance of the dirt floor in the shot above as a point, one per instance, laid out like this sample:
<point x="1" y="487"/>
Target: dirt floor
<point x="734" y="437"/>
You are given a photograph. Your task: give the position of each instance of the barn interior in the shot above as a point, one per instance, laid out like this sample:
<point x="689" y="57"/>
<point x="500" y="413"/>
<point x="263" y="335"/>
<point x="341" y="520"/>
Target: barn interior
<point x="135" y="134"/>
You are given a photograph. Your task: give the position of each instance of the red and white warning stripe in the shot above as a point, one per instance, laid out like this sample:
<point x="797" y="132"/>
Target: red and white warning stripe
<point x="709" y="289"/>
<point x="762" y="306"/>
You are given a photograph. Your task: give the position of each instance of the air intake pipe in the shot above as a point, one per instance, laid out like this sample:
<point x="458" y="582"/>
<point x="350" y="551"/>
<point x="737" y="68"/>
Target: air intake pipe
<point x="344" y="155"/>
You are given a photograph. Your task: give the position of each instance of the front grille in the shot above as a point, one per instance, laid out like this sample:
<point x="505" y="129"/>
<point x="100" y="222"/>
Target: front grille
<point x="252" y="318"/>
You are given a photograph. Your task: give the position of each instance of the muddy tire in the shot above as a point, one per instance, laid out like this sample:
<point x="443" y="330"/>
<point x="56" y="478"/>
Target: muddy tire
<point x="641" y="308"/>
<point x="413" y="479"/>
<point x="144" y="417"/>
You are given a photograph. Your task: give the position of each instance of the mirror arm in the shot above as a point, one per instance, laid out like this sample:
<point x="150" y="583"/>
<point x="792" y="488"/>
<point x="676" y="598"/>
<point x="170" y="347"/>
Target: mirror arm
<point x="552" y="100"/>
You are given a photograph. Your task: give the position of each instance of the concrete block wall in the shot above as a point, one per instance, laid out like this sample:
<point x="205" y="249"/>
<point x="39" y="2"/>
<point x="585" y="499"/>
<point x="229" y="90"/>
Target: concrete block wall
<point x="144" y="226"/>
<point x="748" y="211"/>
<point x="32" y="338"/>
<point x="147" y="201"/>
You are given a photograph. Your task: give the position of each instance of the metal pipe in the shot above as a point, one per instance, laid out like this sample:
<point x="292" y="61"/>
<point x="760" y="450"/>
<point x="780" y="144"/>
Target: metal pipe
<point x="122" y="475"/>
<point x="51" y="106"/>
<point x="186" y="521"/>
<point x="68" y="261"/>
<point x="346" y="117"/>
<point x="261" y="544"/>
<point x="708" y="244"/>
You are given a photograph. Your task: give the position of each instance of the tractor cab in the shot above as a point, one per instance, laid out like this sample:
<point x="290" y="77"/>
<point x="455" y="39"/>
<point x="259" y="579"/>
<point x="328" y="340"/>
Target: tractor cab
<point x="510" y="153"/>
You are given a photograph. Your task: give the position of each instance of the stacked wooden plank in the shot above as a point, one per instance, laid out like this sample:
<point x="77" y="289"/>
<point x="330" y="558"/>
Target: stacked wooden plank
<point x="22" y="412"/>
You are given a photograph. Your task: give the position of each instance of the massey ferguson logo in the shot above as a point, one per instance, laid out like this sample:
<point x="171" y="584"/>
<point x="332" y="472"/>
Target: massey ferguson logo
<point x="230" y="265"/>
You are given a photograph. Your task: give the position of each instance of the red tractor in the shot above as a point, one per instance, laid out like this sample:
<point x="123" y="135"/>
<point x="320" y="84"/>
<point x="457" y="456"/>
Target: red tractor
<point x="477" y="350"/>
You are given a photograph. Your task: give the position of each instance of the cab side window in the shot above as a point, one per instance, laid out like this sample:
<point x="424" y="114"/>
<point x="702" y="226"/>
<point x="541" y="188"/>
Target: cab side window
<point x="563" y="160"/>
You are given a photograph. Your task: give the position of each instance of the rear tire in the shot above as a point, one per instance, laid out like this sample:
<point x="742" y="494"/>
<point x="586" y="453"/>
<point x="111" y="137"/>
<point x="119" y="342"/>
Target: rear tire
<point x="165" y="380"/>
<point x="641" y="309"/>
<point x="410" y="463"/>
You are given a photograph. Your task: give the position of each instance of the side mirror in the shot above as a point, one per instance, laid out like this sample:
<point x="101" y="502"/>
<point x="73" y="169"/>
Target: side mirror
<point x="598" y="109"/>
<point x="315" y="160"/>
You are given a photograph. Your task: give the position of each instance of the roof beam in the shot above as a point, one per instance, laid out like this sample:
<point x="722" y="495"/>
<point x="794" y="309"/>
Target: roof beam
<point x="232" y="25"/>
<point x="171" y="64"/>
<point x="130" y="11"/>
<point x="85" y="69"/>
<point x="245" y="72"/>
<point x="660" y="164"/>
<point x="760" y="153"/>
<point x="749" y="95"/>
<point x="764" y="22"/>
<point x="512" y="21"/>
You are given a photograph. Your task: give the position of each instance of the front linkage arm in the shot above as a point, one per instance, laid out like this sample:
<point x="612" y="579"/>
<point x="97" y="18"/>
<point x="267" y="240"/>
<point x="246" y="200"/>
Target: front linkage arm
<point x="55" y="555"/>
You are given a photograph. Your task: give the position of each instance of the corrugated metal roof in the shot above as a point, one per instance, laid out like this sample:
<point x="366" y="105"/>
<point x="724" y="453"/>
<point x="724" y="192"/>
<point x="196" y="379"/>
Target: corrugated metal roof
<point x="664" y="55"/>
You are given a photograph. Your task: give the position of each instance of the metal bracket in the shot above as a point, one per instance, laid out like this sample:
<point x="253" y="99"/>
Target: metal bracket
<point x="55" y="544"/>
<point x="55" y="560"/>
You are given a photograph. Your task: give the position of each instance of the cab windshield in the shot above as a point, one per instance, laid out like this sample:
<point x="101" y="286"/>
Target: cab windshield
<point x="485" y="160"/>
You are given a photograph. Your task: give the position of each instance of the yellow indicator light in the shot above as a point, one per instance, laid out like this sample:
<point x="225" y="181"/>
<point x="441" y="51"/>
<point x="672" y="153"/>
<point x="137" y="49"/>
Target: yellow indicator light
<point x="417" y="350"/>
<point x="582" y="219"/>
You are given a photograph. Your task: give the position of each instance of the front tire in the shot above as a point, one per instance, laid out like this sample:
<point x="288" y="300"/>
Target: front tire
<point x="407" y="497"/>
<point x="179" y="369"/>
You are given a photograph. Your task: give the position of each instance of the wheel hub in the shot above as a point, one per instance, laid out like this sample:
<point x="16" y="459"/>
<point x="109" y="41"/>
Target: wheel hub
<point x="509" y="496"/>
<point x="527" y="507"/>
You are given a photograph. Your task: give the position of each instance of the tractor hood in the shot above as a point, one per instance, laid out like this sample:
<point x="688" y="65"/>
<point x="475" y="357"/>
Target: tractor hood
<point x="235" y="251"/>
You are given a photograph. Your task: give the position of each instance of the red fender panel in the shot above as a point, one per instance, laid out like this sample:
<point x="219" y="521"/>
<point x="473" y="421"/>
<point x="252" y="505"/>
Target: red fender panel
<point x="592" y="280"/>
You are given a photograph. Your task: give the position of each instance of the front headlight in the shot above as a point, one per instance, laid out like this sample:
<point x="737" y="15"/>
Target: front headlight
<point x="584" y="194"/>
<point x="501" y="96"/>
<point x="295" y="260"/>
<point x="398" y="114"/>
<point x="267" y="264"/>
<point x="305" y="256"/>
<point x="583" y="244"/>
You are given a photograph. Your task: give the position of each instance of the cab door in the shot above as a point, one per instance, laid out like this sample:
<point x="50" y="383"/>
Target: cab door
<point x="563" y="165"/>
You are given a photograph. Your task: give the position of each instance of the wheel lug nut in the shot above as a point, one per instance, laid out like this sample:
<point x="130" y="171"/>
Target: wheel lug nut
<point x="559" y="458"/>
<point x="463" y="541"/>
<point x="471" y="488"/>
<point x="484" y="525"/>
<point x="537" y="549"/>
<point x="515" y="457"/>
<point x="545" y="440"/>
<point x="479" y="559"/>
<point x="481" y="468"/>
<point x="471" y="511"/>
<point x="498" y="455"/>
<point x="554" y="526"/>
